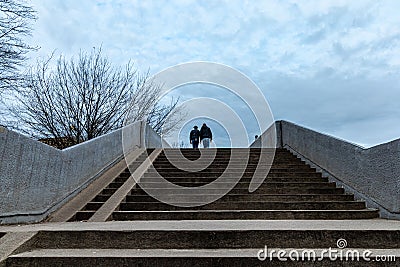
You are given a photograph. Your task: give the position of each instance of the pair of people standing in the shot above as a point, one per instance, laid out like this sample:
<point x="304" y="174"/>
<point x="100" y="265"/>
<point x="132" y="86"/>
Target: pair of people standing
<point x="204" y="136"/>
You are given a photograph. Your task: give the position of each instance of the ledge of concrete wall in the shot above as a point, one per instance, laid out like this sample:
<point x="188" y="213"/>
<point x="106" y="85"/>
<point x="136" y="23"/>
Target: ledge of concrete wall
<point x="372" y="172"/>
<point x="35" y="178"/>
<point x="271" y="138"/>
<point x="153" y="140"/>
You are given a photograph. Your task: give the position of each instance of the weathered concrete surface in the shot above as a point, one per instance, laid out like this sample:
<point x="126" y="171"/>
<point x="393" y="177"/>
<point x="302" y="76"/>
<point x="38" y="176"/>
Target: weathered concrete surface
<point x="93" y="189"/>
<point x="181" y="253"/>
<point x="36" y="179"/>
<point x="188" y="225"/>
<point x="11" y="241"/>
<point x="374" y="172"/>
<point x="112" y="203"/>
<point x="271" y="138"/>
<point x="57" y="243"/>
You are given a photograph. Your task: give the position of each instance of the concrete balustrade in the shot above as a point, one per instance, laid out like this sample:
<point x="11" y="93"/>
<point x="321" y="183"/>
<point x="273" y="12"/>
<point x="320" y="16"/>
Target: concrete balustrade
<point x="36" y="179"/>
<point x="372" y="174"/>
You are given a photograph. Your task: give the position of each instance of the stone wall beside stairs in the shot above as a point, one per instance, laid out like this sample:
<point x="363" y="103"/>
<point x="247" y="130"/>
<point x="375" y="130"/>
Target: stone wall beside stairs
<point x="372" y="174"/>
<point x="36" y="179"/>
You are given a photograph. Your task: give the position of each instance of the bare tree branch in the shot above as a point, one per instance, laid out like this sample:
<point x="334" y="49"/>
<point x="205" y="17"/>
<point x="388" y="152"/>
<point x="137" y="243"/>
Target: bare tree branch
<point x="80" y="99"/>
<point x="15" y="16"/>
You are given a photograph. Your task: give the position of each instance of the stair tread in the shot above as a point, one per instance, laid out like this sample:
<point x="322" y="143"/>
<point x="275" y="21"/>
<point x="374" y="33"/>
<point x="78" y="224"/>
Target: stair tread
<point x="237" y="211"/>
<point x="250" y="201"/>
<point x="198" y="252"/>
<point x="376" y="224"/>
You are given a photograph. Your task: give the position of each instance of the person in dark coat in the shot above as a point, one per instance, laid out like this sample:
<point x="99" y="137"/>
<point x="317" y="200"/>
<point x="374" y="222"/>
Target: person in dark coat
<point x="205" y="135"/>
<point x="195" y="137"/>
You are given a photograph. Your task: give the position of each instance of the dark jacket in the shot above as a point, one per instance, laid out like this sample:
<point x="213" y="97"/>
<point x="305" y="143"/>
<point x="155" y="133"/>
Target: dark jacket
<point x="205" y="132"/>
<point x="194" y="135"/>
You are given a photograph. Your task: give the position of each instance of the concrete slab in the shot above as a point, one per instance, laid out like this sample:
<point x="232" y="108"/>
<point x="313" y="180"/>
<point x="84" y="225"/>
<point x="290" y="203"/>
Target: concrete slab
<point x="374" y="224"/>
<point x="195" y="253"/>
<point x="12" y="241"/>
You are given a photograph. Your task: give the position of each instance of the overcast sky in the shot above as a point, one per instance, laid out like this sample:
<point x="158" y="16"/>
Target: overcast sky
<point x="333" y="66"/>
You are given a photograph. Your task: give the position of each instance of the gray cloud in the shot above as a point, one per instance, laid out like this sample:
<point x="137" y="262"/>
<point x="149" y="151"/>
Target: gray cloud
<point x="330" y="65"/>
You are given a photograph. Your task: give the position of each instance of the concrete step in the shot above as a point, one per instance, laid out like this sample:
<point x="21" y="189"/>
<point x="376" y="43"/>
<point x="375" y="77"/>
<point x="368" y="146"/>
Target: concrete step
<point x="269" y="157"/>
<point x="101" y="198"/>
<point x="109" y="191"/>
<point x="265" y="185"/>
<point x="218" y="168"/>
<point x="190" y="214"/>
<point x="148" y="179"/>
<point x="219" y="151"/>
<point x="231" y="158"/>
<point x="93" y="206"/>
<point x="115" y="185"/>
<point x="243" y="153"/>
<point x="251" y="197"/>
<point x="205" y="242"/>
<point x="216" y="234"/>
<point x="125" y="175"/>
<point x="231" y="173"/>
<point x="231" y="179"/>
<point x="193" y="257"/>
<point x="120" y="179"/>
<point x="83" y="215"/>
<point x="235" y="158"/>
<point x="239" y="162"/>
<point x="242" y="160"/>
<point x="237" y="205"/>
<point x="283" y="191"/>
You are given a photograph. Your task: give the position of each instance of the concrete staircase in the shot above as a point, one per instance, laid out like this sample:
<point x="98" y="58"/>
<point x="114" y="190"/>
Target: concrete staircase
<point x="295" y="208"/>
<point x="292" y="190"/>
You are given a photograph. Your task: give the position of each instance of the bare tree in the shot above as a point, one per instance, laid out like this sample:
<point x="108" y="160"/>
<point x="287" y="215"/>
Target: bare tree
<point x="14" y="26"/>
<point x="81" y="99"/>
<point x="164" y="118"/>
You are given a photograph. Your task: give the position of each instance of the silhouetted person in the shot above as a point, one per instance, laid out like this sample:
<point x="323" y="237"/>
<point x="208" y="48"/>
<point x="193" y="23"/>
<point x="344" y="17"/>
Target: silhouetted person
<point x="195" y="137"/>
<point x="205" y="136"/>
